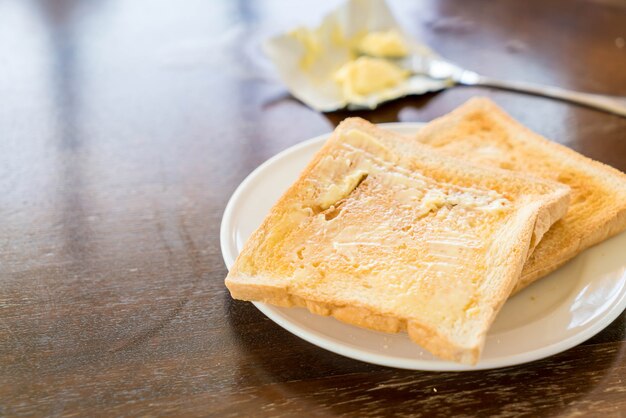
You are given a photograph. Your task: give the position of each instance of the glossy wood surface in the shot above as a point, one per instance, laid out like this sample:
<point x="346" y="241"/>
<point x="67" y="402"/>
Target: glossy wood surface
<point x="124" y="128"/>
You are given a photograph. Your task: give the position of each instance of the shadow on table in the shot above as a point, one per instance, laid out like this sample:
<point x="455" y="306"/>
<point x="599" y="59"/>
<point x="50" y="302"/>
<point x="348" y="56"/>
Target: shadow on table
<point x="386" y="112"/>
<point x="279" y="370"/>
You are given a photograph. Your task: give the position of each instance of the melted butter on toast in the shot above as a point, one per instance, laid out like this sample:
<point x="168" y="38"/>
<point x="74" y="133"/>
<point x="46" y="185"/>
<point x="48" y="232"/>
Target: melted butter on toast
<point x="378" y="225"/>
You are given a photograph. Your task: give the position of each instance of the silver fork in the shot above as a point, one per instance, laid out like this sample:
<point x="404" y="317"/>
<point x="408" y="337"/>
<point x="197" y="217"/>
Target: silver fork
<point x="441" y="69"/>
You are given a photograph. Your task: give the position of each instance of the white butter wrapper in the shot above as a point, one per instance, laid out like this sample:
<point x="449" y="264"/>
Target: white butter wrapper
<point x="316" y="86"/>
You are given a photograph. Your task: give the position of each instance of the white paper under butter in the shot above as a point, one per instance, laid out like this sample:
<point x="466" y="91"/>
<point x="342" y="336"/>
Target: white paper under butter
<point x="308" y="72"/>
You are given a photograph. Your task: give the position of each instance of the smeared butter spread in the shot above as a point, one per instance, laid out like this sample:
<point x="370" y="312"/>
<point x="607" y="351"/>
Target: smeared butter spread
<point x="341" y="189"/>
<point x="311" y="44"/>
<point x="375" y="223"/>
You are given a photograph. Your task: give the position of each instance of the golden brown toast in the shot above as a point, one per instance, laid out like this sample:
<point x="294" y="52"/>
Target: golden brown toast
<point x="480" y="132"/>
<point x="381" y="232"/>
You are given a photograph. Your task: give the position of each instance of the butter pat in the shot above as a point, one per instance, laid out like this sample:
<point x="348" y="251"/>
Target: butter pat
<point x="308" y="58"/>
<point x="336" y="192"/>
<point x="383" y="44"/>
<point x="367" y="75"/>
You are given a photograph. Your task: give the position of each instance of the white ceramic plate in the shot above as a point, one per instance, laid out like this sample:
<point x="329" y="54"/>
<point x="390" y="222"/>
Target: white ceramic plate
<point x="554" y="314"/>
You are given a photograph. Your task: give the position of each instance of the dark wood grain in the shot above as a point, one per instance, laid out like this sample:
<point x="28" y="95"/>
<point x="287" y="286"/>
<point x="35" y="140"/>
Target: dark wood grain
<point x="124" y="129"/>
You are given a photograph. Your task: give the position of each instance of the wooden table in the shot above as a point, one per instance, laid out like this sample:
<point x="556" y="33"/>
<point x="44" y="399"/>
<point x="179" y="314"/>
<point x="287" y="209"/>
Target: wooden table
<point x="124" y="129"/>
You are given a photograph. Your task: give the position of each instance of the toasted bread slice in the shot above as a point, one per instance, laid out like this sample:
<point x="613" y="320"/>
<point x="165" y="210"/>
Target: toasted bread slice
<point x="384" y="233"/>
<point x="480" y="132"/>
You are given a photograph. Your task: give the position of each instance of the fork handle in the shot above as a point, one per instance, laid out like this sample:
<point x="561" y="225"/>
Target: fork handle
<point x="612" y="104"/>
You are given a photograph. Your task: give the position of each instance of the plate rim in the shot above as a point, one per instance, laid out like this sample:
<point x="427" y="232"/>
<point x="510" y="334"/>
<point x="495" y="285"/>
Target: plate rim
<point x="326" y="343"/>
